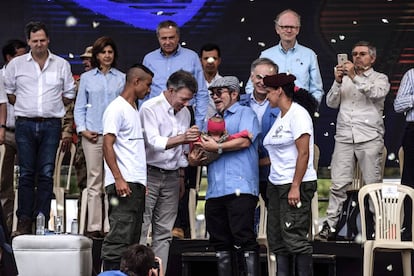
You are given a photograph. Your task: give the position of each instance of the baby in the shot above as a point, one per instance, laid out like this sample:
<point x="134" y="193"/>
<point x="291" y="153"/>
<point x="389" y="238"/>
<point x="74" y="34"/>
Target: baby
<point x="216" y="129"/>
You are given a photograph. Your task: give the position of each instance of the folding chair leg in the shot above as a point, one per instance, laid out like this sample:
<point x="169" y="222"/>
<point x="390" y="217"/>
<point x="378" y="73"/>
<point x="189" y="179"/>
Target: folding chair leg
<point x="14" y="227"/>
<point x="84" y="206"/>
<point x="106" y="219"/>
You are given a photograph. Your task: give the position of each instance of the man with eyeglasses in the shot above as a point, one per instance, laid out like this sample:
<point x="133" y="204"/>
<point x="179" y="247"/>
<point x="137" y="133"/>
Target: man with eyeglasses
<point x="233" y="178"/>
<point x="359" y="93"/>
<point x="266" y="115"/>
<point x="291" y="57"/>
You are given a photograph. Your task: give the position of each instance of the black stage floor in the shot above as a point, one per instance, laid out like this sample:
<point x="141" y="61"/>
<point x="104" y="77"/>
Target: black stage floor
<point x="199" y="259"/>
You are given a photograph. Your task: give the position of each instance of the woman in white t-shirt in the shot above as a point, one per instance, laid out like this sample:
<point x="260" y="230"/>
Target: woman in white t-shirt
<point x="292" y="175"/>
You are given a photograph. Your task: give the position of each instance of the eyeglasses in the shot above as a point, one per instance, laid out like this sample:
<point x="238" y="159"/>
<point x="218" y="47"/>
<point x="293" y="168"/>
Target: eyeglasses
<point x="354" y="54"/>
<point x="218" y="92"/>
<point x="285" y="28"/>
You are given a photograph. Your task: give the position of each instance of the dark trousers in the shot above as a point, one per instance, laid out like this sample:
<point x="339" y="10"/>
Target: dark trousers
<point x="230" y="222"/>
<point x="125" y="220"/>
<point x="288" y="226"/>
<point x="37" y="143"/>
<point x="407" y="177"/>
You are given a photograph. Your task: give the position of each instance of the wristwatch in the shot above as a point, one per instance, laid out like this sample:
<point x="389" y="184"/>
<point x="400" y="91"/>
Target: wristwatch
<point x="220" y="149"/>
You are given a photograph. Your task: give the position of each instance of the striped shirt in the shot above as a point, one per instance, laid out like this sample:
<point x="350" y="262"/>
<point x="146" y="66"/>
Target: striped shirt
<point x="405" y="99"/>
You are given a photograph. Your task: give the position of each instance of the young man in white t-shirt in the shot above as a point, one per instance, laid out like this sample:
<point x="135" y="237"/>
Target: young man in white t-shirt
<point x="125" y="166"/>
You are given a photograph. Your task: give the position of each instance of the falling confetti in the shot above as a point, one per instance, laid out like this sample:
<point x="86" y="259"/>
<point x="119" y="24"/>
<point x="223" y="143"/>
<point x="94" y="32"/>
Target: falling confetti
<point x="70" y="55"/>
<point x="332" y="123"/>
<point x="326" y="134"/>
<point x="353" y="203"/>
<point x="299" y="204"/>
<point x="114" y="201"/>
<point x="391" y="156"/>
<point x="237" y="192"/>
<point x="385" y="20"/>
<point x="88" y="105"/>
<point x="358" y="239"/>
<point x="389" y="267"/>
<point x="71" y="21"/>
<point x="249" y="38"/>
<point x="316" y="114"/>
<point x="210" y="60"/>
<point x="341" y="37"/>
<point x="183" y="43"/>
<point x="333" y="40"/>
<point x="273" y="257"/>
<point x="288" y="224"/>
<point x="261" y="44"/>
<point x="95" y="24"/>
<point x="160" y="12"/>
<point x="354" y="22"/>
<point x="242" y="19"/>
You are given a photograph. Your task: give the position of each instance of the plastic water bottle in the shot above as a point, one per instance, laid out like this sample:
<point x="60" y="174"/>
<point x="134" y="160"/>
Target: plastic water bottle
<point x="74" y="227"/>
<point x="40" y="224"/>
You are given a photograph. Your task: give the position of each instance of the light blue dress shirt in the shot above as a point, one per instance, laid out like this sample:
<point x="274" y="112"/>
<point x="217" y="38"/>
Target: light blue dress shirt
<point x="96" y="91"/>
<point x="163" y="66"/>
<point x="299" y="61"/>
<point x="236" y="171"/>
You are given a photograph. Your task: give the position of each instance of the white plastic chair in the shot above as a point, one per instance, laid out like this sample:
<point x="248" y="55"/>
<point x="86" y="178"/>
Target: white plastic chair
<point x="192" y="204"/>
<point x="58" y="190"/>
<point x="401" y="159"/>
<point x="314" y="229"/>
<point x="388" y="202"/>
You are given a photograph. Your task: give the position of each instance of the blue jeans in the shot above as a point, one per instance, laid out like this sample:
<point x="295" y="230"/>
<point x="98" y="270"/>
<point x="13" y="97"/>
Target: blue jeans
<point x="37" y="143"/>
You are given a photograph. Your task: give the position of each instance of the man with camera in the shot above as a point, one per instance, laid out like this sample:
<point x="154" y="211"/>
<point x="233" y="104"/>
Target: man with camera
<point x="359" y="93"/>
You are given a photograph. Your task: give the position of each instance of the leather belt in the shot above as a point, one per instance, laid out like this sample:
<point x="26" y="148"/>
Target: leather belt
<point x="35" y="119"/>
<point x="150" y="168"/>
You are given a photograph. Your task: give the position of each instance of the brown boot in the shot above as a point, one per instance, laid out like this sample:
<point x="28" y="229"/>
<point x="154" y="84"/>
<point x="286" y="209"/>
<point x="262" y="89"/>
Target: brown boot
<point x="24" y="226"/>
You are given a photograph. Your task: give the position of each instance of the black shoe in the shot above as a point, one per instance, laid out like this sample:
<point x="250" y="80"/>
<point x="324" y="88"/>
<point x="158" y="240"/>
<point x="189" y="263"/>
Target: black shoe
<point x="325" y="234"/>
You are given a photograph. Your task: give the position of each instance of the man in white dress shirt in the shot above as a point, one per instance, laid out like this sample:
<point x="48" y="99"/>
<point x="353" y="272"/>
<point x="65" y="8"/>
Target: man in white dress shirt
<point x="38" y="84"/>
<point x="166" y="122"/>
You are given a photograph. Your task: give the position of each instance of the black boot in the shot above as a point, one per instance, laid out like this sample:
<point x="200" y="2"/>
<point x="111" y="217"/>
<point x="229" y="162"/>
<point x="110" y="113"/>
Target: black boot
<point x="251" y="262"/>
<point x="224" y="264"/>
<point x="304" y="265"/>
<point x="283" y="265"/>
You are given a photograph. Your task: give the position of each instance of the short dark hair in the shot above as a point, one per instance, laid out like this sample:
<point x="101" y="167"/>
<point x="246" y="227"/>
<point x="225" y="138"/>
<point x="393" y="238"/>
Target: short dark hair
<point x="210" y="47"/>
<point x="35" y="26"/>
<point x="98" y="47"/>
<point x="182" y="79"/>
<point x="168" y="24"/>
<point x="11" y="46"/>
<point x="130" y="74"/>
<point x="137" y="260"/>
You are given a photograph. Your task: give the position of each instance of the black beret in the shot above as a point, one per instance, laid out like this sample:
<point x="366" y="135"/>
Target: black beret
<point x="278" y="80"/>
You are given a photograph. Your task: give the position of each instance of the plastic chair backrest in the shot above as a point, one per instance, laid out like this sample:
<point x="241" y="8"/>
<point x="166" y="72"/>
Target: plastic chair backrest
<point x="388" y="202"/>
